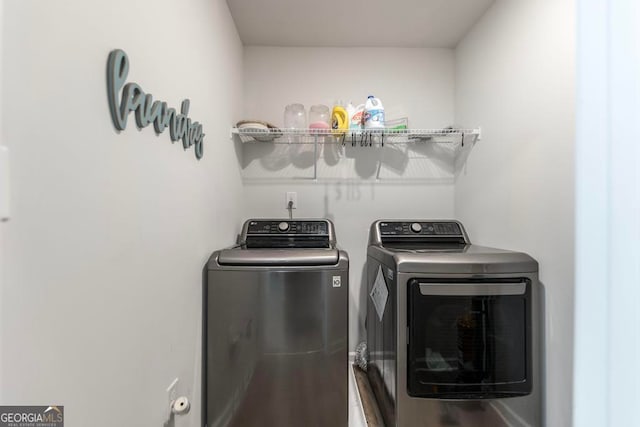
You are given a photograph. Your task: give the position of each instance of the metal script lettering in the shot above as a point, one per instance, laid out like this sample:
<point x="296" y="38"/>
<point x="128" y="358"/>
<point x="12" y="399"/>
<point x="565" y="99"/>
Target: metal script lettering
<point x="147" y="110"/>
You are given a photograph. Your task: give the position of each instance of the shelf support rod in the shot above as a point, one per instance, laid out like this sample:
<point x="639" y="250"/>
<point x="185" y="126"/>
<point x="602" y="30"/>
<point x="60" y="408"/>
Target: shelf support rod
<point x="315" y="157"/>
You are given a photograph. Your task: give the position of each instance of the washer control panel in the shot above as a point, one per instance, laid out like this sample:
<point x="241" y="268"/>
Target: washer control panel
<point x="419" y="228"/>
<point x="258" y="227"/>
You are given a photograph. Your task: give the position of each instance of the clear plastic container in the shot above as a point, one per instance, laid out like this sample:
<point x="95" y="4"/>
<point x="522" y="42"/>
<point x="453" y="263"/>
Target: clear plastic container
<point x="295" y="117"/>
<point x="319" y="118"/>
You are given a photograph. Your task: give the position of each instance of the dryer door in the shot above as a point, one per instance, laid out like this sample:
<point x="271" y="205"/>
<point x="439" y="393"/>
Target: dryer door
<point x="469" y="339"/>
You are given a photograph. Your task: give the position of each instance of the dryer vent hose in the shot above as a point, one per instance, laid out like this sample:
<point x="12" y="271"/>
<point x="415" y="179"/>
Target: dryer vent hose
<point x="361" y="359"/>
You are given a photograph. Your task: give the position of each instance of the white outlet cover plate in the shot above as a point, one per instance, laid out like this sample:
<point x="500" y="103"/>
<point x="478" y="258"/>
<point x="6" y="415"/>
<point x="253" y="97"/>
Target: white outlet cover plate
<point x="291" y="196"/>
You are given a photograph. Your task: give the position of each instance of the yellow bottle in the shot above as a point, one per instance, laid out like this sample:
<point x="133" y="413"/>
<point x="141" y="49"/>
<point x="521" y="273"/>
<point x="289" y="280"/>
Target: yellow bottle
<point x="339" y="120"/>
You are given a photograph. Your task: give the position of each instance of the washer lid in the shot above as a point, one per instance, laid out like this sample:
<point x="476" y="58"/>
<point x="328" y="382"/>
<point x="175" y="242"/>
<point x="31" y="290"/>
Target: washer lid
<point x="278" y="257"/>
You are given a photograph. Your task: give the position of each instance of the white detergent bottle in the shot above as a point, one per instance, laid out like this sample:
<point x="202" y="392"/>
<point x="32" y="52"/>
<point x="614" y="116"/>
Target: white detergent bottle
<point x="373" y="113"/>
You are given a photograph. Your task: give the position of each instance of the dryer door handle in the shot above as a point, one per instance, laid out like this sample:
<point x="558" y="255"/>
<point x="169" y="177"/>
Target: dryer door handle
<point x="472" y="289"/>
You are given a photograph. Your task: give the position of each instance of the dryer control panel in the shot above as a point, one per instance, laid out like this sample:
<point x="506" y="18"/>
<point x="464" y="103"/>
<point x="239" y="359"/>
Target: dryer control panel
<point x="417" y="233"/>
<point x="412" y="228"/>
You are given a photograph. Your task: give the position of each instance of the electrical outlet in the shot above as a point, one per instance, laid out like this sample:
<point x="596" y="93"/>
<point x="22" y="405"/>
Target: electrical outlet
<point x="292" y="196"/>
<point x="172" y="394"/>
<point x="4" y="183"/>
<point x="171" y="390"/>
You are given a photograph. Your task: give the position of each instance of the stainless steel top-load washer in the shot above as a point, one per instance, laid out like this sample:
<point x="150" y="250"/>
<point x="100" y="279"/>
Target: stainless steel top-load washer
<point x="276" y="332"/>
<point x="453" y="329"/>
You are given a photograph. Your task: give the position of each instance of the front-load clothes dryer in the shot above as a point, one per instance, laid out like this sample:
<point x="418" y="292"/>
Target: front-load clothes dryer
<point x="276" y="313"/>
<point x="453" y="329"/>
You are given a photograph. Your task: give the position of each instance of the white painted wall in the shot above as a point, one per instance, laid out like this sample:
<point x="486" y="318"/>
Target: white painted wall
<point x="414" y="82"/>
<point x="110" y="232"/>
<point x="515" y="77"/>
<point x="418" y="83"/>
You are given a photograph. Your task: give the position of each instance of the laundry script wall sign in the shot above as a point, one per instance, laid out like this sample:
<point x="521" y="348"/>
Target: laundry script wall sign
<point x="125" y="98"/>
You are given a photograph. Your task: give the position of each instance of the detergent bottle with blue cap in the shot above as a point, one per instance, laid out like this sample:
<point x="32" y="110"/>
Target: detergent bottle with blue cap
<point x="373" y="113"/>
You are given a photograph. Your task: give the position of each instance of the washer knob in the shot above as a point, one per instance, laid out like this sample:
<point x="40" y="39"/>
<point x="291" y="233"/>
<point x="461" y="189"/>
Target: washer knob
<point x="283" y="226"/>
<point x="416" y="227"/>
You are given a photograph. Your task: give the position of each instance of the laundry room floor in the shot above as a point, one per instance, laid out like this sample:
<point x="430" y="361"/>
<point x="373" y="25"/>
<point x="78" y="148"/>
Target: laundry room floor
<point x="356" y="410"/>
<point x="363" y="408"/>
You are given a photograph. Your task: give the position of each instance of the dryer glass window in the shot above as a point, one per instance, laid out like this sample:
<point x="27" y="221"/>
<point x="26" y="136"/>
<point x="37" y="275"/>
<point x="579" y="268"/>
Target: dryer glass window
<point x="468" y="339"/>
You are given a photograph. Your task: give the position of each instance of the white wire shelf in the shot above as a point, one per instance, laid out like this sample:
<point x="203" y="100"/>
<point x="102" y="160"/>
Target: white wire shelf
<point x="361" y="138"/>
